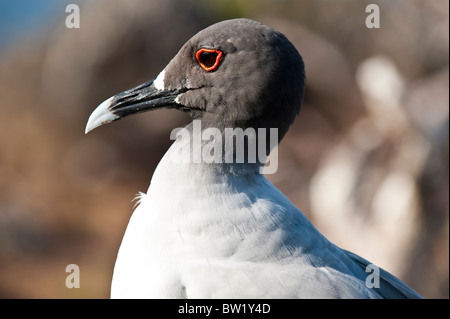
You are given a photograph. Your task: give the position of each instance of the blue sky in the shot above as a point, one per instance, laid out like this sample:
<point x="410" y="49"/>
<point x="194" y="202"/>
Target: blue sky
<point x="24" y="19"/>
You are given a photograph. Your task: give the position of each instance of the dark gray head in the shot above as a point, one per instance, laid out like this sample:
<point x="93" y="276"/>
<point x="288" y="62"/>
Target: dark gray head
<point x="236" y="73"/>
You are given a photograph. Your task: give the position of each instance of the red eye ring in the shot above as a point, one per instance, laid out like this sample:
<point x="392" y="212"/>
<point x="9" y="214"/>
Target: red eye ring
<point x="212" y="59"/>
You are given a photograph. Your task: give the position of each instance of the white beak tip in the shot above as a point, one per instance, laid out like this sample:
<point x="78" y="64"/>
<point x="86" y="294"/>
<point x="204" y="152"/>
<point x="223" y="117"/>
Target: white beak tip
<point x="101" y="115"/>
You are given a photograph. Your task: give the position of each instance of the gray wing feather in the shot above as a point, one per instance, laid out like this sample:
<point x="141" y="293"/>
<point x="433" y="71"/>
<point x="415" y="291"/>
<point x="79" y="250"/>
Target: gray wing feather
<point x="390" y="286"/>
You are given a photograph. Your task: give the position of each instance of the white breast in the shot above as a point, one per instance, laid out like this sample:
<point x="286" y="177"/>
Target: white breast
<point x="199" y="233"/>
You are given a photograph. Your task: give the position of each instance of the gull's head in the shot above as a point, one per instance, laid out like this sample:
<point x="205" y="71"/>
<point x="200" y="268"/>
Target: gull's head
<point x="235" y="73"/>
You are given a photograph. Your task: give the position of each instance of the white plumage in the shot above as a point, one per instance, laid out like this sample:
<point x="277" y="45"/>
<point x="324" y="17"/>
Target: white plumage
<point x="200" y="233"/>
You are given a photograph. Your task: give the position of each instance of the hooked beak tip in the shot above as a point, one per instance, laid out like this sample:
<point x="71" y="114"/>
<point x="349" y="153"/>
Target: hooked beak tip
<point x="101" y="115"/>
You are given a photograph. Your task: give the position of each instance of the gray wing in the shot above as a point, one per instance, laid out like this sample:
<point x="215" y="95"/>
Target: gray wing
<point x="390" y="286"/>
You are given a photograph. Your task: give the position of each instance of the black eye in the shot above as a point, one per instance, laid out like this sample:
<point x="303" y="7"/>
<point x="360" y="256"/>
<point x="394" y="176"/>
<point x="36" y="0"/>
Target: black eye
<point x="208" y="59"/>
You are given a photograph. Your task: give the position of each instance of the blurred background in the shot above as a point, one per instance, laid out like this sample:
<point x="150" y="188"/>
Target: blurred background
<point x="366" y="160"/>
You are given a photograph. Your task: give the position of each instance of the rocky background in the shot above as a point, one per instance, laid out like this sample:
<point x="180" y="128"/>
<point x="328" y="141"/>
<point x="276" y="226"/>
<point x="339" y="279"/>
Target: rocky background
<point x="366" y="160"/>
